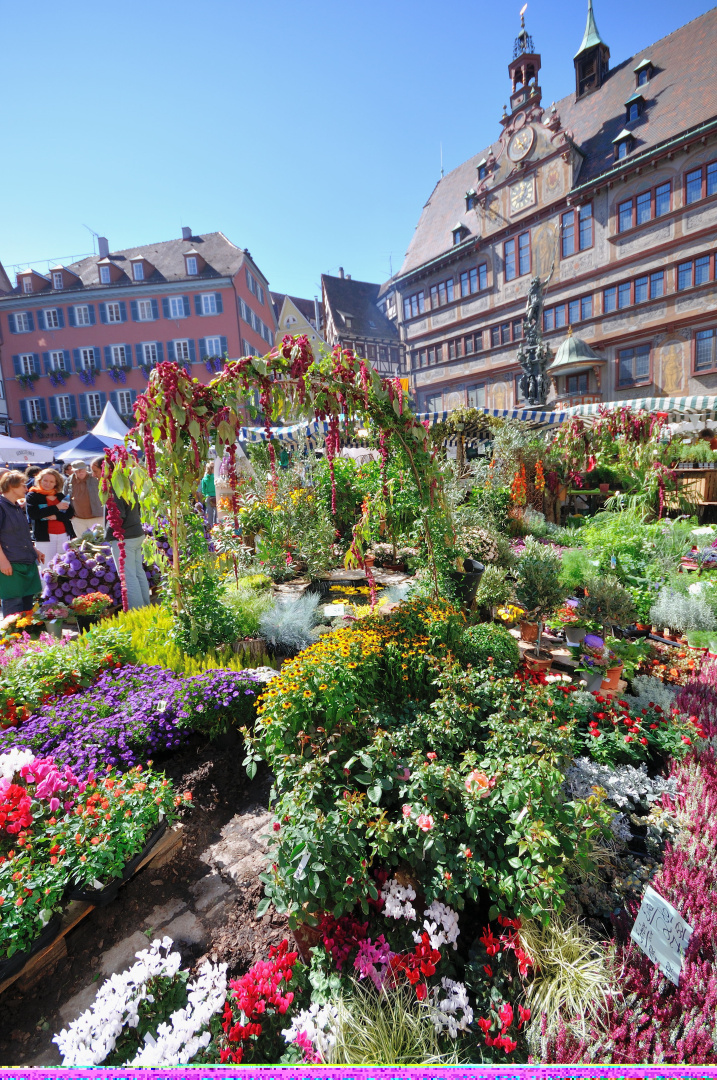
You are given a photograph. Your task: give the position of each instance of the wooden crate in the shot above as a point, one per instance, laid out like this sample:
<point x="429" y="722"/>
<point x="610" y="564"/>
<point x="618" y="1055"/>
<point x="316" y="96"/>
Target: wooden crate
<point x="164" y="850"/>
<point x="696" y="485"/>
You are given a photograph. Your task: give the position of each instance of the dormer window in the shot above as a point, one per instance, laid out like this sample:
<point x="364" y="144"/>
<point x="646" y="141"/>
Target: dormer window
<point x="57" y="279"/>
<point x="482" y="169"/>
<point x="623" y="144"/>
<point x="105" y="275"/>
<point x="27" y="285"/>
<point x="460" y="232"/>
<point x="191" y="265"/>
<point x="138" y="271"/>
<point x="634" y="107"/>
<point x="643" y="73"/>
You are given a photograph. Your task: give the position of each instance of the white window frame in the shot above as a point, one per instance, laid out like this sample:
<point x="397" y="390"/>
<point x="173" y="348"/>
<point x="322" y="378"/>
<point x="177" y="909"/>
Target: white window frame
<point x="25" y="327"/>
<point x="52" y="318"/>
<point x="184" y="343"/>
<point x="120" y="410"/>
<point x="105" y="275"/>
<point x="57" y="279"/>
<point x="64" y="410"/>
<point x="82" y="315"/>
<point x="27" y="363"/>
<point x="118" y="355"/>
<point x="144" y="306"/>
<point x="96" y="398"/>
<point x="213" y="352"/>
<point x="113" y="309"/>
<point x="27" y="284"/>
<point x="191" y="265"/>
<point x="209" y="303"/>
<point x="55" y="364"/>
<point x="248" y="349"/>
<point x="150" y="346"/>
<point x="87" y="359"/>
<point x="138" y="271"/>
<point x="176" y="300"/>
<point x="34" y="412"/>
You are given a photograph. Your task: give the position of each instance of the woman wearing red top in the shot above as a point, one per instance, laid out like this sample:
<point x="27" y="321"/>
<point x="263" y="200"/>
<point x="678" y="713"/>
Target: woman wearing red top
<point x="49" y="513"/>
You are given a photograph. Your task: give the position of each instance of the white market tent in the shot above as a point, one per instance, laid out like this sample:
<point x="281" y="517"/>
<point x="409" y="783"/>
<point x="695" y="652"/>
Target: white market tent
<point x="110" y="425"/>
<point x="16" y="451"/>
<point x="108" y="431"/>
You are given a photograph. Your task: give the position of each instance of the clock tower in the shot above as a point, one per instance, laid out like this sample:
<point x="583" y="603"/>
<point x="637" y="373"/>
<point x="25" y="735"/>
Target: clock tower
<point x="523" y="70"/>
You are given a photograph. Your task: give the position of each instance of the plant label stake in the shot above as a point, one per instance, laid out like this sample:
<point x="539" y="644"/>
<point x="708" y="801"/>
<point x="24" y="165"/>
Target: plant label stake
<point x="662" y="934"/>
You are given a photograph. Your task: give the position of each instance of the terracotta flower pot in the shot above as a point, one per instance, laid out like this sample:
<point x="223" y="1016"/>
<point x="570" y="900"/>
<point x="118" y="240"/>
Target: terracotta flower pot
<point x="611" y="678"/>
<point x="604" y="488"/>
<point x="306" y="937"/>
<point x="536" y="663"/>
<point x="528" y="631"/>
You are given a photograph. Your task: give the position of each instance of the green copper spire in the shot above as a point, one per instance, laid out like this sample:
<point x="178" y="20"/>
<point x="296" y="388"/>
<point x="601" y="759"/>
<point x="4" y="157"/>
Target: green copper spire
<point x="591" y="37"/>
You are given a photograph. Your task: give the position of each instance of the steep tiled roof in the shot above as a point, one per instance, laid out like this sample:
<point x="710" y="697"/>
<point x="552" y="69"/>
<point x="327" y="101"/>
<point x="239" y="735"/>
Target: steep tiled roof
<point x="222" y="259"/>
<point x="306" y="307"/>
<point x="681" y="95"/>
<point x="357" y="300"/>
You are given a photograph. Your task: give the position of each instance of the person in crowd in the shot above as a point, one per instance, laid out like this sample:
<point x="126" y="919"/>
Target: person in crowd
<point x="30" y="473"/>
<point x="209" y="494"/>
<point x="50" y="513"/>
<point x="138" y="594"/>
<point x="83" y="491"/>
<point x="67" y="470"/>
<point x="19" y="577"/>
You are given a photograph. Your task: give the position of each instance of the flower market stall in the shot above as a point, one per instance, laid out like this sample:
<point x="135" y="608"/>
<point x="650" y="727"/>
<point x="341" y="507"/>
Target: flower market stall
<point x="477" y="754"/>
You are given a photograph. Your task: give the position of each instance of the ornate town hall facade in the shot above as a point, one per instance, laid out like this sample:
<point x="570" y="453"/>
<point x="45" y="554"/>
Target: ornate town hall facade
<point x="610" y="197"/>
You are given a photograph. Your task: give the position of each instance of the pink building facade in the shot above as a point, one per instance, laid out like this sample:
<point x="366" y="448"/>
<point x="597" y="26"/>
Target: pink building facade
<point x="84" y="334"/>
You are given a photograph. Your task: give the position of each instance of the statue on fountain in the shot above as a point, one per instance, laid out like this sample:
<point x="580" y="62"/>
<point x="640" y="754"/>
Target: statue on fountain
<point x="533" y="354"/>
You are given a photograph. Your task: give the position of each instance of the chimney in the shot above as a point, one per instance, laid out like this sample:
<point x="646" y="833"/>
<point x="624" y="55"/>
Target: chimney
<point x="103" y="246"/>
<point x="341" y="271"/>
<point x="348" y="277"/>
<point x="317" y="315"/>
<point x="186" y="232"/>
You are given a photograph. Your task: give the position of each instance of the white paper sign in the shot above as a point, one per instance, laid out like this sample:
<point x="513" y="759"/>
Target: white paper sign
<point x="662" y="934"/>
<point x="334" y="611"/>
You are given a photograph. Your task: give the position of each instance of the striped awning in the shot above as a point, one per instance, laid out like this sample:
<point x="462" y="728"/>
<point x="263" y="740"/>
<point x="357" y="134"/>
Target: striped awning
<point x="539" y="417"/>
<point x="697" y="404"/>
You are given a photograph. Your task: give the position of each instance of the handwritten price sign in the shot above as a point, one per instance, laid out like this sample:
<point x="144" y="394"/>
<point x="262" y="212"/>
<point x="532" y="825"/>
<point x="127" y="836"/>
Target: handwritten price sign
<point x="662" y="934"/>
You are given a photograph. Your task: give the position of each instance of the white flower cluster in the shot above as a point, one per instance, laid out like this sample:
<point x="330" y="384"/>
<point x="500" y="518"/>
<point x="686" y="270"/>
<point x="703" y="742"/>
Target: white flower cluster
<point x="92" y="1036"/>
<point x="444" y="1011"/>
<point x="13" y="761"/>
<point x="439" y="915"/>
<point x="398" y="900"/>
<point x="319" y="1024"/>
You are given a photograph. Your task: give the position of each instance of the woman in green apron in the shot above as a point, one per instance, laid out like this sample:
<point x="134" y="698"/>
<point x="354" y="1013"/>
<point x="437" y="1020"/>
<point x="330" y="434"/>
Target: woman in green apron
<point x="19" y="578"/>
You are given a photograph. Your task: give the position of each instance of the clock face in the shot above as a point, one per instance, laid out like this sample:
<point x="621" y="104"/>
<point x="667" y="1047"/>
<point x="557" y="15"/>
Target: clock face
<point x="522" y="195"/>
<point x="521" y="143"/>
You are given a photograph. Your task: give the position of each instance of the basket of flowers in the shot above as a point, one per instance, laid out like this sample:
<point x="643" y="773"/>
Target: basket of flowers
<point x="90" y="607"/>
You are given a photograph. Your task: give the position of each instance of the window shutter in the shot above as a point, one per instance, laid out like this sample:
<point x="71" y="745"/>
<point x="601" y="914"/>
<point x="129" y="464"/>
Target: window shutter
<point x="133" y="309"/>
<point x="155" y="309"/>
<point x="202" y="347"/>
<point x="134" y="396"/>
<point x="128" y="355"/>
<point x="83" y="405"/>
<point x="220" y="307"/>
<point x="192" y="351"/>
<point x="123" y="311"/>
<point x="41" y="320"/>
<point x="197" y="304"/>
<point x="73" y="406"/>
<point x="165" y="307"/>
<point x="91" y="308"/>
<point x="160" y="352"/>
<point x="43" y="409"/>
<point x="11" y="322"/>
<point x="224" y="347"/>
<point x="66" y="354"/>
<point x="61" y="317"/>
<point x="76" y="358"/>
<point x="187" y="307"/>
<point x="103" y="313"/>
<point x="23" y="410"/>
<point x="46" y="362"/>
<point x="108" y="357"/>
<point x="170" y="350"/>
<point x="103" y="398"/>
<point x="113" y="399"/>
<point x="36" y="363"/>
<point x="53" y="408"/>
<point x="71" y="316"/>
<point x="16" y="364"/>
<point x="31" y="320"/>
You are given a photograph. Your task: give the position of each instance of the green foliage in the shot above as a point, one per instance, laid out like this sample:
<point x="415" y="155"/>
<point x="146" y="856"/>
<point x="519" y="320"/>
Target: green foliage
<point x="387" y="1028"/>
<point x="247" y="602"/>
<point x="494" y="588"/>
<point x="287" y="625"/>
<point x="538" y="586"/>
<point x="575" y="569"/>
<point x="486" y="642"/>
<point x="682" y="612"/>
<point x="607" y="602"/>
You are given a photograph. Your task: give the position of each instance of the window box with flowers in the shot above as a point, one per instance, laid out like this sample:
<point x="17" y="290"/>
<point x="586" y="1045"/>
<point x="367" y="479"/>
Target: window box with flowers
<point x="66" y="427"/>
<point x="36" y="427"/>
<point x="28" y="379"/>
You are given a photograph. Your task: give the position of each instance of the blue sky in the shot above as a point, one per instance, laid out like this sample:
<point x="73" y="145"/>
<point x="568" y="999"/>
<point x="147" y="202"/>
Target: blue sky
<point x="308" y="132"/>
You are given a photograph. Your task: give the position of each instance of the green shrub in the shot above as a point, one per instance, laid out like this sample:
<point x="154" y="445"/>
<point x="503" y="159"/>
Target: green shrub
<point x="488" y="641"/>
<point x="576" y="567"/>
<point x="248" y="602"/>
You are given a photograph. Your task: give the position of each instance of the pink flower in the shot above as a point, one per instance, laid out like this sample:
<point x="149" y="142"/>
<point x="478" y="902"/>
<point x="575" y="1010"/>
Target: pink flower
<point x="406" y="810"/>
<point x="424" y="822"/>
<point x="477" y="783"/>
<point x="431" y="756"/>
<point x="405" y="774"/>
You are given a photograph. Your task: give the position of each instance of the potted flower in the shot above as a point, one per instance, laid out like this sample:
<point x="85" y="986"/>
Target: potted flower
<point x="595" y="662"/>
<point x="89" y="608"/>
<point x="54" y="614"/>
<point x="539" y="591"/>
<point x="570" y="619"/>
<point x="23" y="622"/>
<point x="630" y="654"/>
